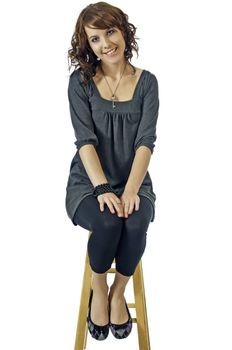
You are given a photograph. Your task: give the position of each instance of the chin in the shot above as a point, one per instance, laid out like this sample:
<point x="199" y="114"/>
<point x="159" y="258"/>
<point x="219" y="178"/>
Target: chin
<point x="117" y="59"/>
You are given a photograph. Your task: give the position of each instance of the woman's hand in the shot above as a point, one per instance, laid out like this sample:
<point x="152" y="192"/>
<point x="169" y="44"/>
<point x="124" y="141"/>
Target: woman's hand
<point x="129" y="199"/>
<point x="112" y="201"/>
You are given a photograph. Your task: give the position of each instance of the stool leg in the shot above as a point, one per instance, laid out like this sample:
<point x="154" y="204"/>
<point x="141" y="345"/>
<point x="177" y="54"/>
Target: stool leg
<point x="82" y="327"/>
<point x="141" y="310"/>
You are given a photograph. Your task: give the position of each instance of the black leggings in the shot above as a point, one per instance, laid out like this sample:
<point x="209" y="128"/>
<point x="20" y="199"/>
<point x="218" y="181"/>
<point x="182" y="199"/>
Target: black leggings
<point x="114" y="237"/>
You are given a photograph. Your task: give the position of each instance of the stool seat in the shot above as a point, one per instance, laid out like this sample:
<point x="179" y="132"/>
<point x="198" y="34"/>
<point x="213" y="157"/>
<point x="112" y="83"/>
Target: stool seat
<point x="139" y="305"/>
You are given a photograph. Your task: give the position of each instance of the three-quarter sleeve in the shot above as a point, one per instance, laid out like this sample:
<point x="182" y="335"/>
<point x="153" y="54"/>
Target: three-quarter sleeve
<point x="146" y="133"/>
<point x="80" y="112"/>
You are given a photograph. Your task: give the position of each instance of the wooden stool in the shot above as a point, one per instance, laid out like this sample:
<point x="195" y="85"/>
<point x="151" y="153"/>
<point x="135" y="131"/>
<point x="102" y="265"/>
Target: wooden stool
<point x="139" y="305"/>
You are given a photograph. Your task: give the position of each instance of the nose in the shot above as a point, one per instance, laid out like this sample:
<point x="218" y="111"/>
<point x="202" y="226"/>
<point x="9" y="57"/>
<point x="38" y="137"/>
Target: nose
<point x="105" y="42"/>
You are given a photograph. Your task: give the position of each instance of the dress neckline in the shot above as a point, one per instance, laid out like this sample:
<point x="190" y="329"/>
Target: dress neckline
<point x="120" y="102"/>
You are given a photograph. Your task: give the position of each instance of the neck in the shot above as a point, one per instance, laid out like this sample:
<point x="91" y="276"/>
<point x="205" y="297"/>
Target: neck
<point x="113" y="71"/>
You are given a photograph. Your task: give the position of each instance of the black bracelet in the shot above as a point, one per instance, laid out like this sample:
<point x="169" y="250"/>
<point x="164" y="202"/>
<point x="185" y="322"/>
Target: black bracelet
<point x="103" y="188"/>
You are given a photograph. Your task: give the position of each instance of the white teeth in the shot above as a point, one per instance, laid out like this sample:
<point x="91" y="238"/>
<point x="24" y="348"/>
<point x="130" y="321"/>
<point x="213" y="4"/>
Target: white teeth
<point x="111" y="51"/>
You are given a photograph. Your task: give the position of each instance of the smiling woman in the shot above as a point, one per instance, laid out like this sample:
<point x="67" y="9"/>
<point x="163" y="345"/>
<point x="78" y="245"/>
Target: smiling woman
<point x="106" y="43"/>
<point x="114" y="109"/>
<point x="109" y="21"/>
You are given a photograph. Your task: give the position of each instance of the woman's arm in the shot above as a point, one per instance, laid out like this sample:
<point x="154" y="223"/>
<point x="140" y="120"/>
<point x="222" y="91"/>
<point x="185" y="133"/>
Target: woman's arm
<point x="146" y="135"/>
<point x="92" y="164"/>
<point x="139" y="169"/>
<point x="143" y="146"/>
<point x="86" y="139"/>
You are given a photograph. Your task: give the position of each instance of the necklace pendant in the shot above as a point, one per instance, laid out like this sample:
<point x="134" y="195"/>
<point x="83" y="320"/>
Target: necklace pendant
<point x="113" y="98"/>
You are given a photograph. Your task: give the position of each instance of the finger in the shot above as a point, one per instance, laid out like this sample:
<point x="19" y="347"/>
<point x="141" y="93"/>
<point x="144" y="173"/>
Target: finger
<point x="126" y="209"/>
<point x="137" y="202"/>
<point x="102" y="205"/>
<point x="131" y="207"/>
<point x="118" y="206"/>
<point x="122" y="208"/>
<point x="110" y="205"/>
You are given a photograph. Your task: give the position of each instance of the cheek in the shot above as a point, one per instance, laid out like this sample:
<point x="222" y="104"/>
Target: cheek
<point x="95" y="48"/>
<point x="121" y="40"/>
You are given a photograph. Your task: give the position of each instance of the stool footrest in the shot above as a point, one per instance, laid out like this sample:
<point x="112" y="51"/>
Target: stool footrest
<point x="131" y="305"/>
<point x="111" y="270"/>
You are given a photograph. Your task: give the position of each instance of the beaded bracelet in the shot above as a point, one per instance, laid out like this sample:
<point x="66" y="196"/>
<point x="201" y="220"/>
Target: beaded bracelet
<point x="103" y="188"/>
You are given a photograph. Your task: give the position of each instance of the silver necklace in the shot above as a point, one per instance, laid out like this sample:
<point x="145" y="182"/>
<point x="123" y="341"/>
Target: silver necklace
<point x="113" y="97"/>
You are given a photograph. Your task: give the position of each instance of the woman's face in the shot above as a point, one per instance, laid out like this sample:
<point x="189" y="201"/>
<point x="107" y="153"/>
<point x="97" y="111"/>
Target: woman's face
<point x="107" y="44"/>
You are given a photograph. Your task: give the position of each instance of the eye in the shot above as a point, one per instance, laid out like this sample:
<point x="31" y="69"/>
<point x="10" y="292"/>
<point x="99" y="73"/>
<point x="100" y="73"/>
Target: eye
<point x="110" y="31"/>
<point x="94" y="39"/>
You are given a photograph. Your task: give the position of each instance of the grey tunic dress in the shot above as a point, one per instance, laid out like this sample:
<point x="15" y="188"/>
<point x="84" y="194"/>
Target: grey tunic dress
<point x="116" y="134"/>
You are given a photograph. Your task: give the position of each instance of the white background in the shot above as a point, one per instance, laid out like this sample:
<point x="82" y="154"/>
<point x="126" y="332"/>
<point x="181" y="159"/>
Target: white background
<point x="187" y="262"/>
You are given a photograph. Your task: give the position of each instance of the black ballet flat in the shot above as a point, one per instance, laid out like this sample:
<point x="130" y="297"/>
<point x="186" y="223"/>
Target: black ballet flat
<point x="97" y="332"/>
<point x="121" y="331"/>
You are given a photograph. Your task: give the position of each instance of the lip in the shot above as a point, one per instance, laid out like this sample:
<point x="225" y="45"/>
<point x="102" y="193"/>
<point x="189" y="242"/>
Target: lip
<point x="114" y="50"/>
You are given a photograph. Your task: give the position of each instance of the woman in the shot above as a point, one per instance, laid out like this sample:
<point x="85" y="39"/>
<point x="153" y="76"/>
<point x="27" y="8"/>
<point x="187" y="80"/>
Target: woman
<point x="114" y="109"/>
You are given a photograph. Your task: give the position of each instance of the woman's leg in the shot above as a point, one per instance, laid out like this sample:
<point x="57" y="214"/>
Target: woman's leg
<point x="102" y="246"/>
<point x="133" y="238"/>
<point x="130" y="250"/>
<point x="106" y="232"/>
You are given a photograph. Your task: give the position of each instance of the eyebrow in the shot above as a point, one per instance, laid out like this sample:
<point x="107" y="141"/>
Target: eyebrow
<point x="93" y="36"/>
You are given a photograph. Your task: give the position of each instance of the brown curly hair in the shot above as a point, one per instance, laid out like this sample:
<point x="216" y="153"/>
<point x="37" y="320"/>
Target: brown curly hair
<point x="100" y="15"/>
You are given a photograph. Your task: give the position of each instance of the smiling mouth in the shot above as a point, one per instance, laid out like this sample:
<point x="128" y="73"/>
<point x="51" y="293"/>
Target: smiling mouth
<point x="110" y="52"/>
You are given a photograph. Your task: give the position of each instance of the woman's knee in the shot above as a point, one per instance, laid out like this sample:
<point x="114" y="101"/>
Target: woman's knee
<point x="136" y="227"/>
<point x="106" y="232"/>
<point x="109" y="222"/>
<point x="89" y="216"/>
<point x="103" y="242"/>
<point x="139" y="220"/>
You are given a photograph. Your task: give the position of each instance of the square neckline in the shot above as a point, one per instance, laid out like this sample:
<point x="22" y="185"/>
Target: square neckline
<point x="126" y="101"/>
